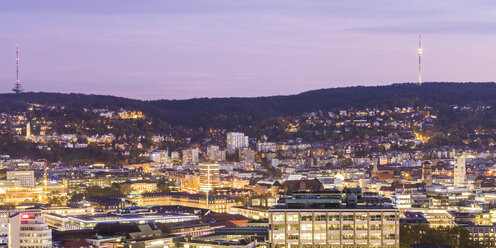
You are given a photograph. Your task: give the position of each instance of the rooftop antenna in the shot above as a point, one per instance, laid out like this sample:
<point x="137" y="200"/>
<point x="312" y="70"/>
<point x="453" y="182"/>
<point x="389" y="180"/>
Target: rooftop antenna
<point x="17" y="86"/>
<point x="419" y="52"/>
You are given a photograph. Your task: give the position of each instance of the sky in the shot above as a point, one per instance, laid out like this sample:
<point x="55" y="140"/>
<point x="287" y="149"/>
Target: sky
<point x="161" y="49"/>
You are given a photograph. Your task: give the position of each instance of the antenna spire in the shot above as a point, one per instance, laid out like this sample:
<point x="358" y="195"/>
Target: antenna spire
<point x="419" y="52"/>
<point x="17" y="86"/>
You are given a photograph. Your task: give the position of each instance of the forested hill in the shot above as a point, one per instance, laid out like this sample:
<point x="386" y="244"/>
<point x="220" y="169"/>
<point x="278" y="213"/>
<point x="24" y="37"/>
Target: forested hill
<point x="229" y="112"/>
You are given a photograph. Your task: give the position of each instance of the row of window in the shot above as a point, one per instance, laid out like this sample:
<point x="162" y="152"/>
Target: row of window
<point x="323" y="217"/>
<point x="322" y="236"/>
<point x="37" y="234"/>
<point x="336" y="246"/>
<point x="323" y="227"/>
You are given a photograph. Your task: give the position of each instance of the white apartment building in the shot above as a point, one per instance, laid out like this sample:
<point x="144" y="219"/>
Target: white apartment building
<point x="460" y="171"/>
<point x="236" y="140"/>
<point x="26" y="178"/>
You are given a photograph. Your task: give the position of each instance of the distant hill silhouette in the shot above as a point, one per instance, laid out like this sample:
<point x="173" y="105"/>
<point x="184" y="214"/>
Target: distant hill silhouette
<point x="230" y="112"/>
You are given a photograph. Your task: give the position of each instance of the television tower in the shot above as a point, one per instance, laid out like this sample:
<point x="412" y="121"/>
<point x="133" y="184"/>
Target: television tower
<point x="17" y="86"/>
<point x="419" y="52"/>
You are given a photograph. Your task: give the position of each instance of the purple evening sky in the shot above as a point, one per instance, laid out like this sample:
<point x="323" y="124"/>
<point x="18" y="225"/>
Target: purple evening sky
<point x="183" y="49"/>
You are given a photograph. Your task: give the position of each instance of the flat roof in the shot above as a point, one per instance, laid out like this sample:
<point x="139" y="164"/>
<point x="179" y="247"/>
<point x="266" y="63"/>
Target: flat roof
<point x="343" y="207"/>
<point x="116" y="218"/>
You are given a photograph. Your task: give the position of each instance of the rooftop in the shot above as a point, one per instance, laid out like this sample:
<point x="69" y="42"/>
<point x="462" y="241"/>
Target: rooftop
<point x="117" y="218"/>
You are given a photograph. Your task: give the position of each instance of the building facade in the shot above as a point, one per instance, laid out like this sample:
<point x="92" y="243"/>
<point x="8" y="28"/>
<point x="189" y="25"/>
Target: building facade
<point x="460" y="171"/>
<point x="209" y="176"/>
<point x="26" y="178"/>
<point x="322" y="220"/>
<point x="28" y="230"/>
<point x="334" y="228"/>
<point x="236" y="140"/>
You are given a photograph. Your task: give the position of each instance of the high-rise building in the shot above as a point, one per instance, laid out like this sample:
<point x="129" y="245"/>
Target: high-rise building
<point x="25" y="177"/>
<point x="209" y="176"/>
<point x="28" y="130"/>
<point x="28" y="229"/>
<point x="319" y="220"/>
<point x="459" y="175"/>
<point x="427" y="173"/>
<point x="191" y="156"/>
<point x="236" y="140"/>
<point x="214" y="154"/>
<point x="160" y="156"/>
<point x="247" y="156"/>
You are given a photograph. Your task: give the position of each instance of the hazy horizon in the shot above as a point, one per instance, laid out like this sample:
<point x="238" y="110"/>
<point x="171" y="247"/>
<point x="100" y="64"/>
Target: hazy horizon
<point x="213" y="48"/>
<point x="199" y="97"/>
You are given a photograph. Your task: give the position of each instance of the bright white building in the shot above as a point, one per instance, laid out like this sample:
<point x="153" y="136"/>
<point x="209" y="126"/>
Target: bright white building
<point x="209" y="176"/>
<point x="25" y="177"/>
<point x="236" y="140"/>
<point x="459" y="171"/>
<point x="160" y="156"/>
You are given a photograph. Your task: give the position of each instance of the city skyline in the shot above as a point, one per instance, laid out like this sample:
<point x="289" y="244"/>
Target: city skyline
<point x="171" y="50"/>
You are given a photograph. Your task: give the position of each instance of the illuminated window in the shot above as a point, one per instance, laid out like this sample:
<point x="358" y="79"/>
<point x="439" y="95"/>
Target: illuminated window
<point x="320" y="236"/>
<point x="361" y="218"/>
<point x="293" y="227"/>
<point x="306" y="217"/>
<point x="306" y="227"/>
<point x="320" y="217"/>
<point x="348" y="236"/>
<point x="292" y="217"/>
<point x="348" y="227"/>
<point x="347" y="217"/>
<point x="278" y="217"/>
<point x="320" y="227"/>
<point x="306" y="236"/>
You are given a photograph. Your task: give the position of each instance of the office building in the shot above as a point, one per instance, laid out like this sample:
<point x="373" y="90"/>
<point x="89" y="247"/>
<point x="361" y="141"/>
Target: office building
<point x="219" y="204"/>
<point x="484" y="236"/>
<point x="26" y="178"/>
<point x="209" y="176"/>
<point x="84" y="222"/>
<point x="321" y="220"/>
<point x="28" y="229"/>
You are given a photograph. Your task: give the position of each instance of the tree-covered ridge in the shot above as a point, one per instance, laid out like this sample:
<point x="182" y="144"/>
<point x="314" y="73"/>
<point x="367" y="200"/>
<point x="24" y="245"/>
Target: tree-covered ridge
<point x="365" y="119"/>
<point x="231" y="112"/>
